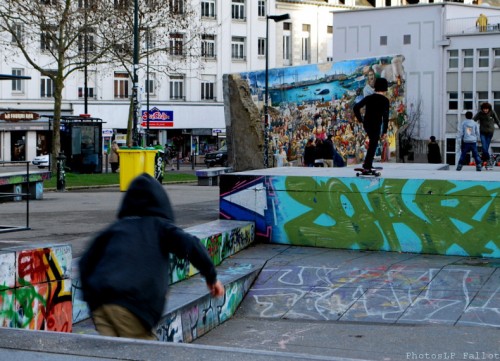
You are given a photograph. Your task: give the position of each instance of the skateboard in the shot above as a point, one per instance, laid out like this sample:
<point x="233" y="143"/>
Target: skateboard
<point x="374" y="171"/>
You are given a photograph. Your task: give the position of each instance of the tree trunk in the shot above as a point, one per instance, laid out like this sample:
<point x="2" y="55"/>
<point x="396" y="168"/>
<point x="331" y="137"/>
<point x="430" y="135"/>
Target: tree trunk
<point x="56" y="125"/>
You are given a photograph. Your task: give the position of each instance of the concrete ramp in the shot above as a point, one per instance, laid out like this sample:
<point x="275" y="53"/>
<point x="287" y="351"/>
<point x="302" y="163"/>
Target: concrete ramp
<point x="418" y="208"/>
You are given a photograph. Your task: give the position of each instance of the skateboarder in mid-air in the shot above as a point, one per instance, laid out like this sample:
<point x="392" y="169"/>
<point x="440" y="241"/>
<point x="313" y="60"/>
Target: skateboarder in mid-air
<point x="376" y="118"/>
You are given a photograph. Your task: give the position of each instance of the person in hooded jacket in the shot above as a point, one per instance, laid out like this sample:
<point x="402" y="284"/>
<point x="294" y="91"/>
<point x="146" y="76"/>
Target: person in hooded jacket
<point x="125" y="271"/>
<point x="486" y="118"/>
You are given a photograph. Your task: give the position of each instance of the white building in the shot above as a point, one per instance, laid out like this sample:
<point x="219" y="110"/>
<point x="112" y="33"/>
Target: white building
<point x="193" y="97"/>
<point x="450" y="65"/>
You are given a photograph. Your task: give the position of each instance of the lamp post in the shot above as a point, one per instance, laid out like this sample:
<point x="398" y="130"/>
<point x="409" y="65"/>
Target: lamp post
<point x="276" y="19"/>
<point x="135" y="88"/>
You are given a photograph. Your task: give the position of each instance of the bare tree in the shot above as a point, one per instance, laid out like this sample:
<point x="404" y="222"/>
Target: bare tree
<point x="50" y="35"/>
<point x="408" y="129"/>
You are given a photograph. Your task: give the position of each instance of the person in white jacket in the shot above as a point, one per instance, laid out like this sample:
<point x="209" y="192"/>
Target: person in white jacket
<point x="468" y="135"/>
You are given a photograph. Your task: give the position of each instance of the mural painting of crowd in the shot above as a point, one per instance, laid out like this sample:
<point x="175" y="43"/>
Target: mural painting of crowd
<point x="316" y="100"/>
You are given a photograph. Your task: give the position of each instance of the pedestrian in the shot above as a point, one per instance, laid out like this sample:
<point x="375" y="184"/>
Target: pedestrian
<point x="125" y="271"/>
<point x="169" y="154"/>
<point x="433" y="151"/>
<point x="468" y="135"/>
<point x="114" y="157"/>
<point x="309" y="153"/>
<point x="482" y="23"/>
<point x="376" y="118"/>
<point x="486" y="118"/>
<point x="329" y="151"/>
<point x="319" y="154"/>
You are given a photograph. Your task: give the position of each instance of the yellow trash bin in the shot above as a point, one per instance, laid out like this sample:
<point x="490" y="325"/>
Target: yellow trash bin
<point x="131" y="165"/>
<point x="149" y="161"/>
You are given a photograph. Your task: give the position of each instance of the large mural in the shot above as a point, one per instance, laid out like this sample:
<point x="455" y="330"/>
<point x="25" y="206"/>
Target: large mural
<point x="316" y="100"/>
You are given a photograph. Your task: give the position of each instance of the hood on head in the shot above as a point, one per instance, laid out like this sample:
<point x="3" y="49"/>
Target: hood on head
<point x="146" y="197"/>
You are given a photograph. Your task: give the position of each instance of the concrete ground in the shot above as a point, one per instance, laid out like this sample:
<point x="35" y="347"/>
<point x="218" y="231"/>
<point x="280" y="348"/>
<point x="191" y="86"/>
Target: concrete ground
<point x="307" y="303"/>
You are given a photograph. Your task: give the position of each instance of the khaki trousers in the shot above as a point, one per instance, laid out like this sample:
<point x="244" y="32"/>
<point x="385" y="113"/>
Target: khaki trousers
<point x="117" y="321"/>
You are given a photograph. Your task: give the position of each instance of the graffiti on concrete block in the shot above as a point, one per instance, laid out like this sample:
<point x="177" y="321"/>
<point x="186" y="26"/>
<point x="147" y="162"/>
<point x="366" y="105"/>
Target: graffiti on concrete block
<point x="449" y="217"/>
<point x="41" y="296"/>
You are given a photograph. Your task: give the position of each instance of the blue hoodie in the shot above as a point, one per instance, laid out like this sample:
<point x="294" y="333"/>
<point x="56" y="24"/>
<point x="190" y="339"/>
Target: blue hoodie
<point x="127" y="264"/>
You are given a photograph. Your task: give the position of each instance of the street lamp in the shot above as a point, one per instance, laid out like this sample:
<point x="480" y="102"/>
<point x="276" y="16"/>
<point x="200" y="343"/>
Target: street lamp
<point x="135" y="89"/>
<point x="276" y="19"/>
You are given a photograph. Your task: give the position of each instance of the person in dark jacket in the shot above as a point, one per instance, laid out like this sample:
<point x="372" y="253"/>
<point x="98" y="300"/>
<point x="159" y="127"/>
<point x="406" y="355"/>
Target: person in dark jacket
<point x="309" y="153"/>
<point x="433" y="151"/>
<point x="329" y="151"/>
<point x="376" y="118"/>
<point x="125" y="271"/>
<point x="486" y="118"/>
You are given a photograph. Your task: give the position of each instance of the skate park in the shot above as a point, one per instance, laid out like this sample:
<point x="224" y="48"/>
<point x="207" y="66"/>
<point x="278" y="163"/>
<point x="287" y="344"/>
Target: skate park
<point x="314" y="288"/>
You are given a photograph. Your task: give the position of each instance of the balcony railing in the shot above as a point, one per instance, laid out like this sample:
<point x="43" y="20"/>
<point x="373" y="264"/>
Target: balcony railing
<point x="468" y="26"/>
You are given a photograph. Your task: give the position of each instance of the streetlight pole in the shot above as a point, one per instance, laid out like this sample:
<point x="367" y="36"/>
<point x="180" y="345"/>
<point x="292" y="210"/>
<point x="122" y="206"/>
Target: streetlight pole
<point x="276" y="19"/>
<point x="135" y="88"/>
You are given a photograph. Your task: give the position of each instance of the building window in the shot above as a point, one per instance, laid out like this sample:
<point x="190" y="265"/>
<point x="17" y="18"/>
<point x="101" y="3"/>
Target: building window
<point x="306" y="42"/>
<point x="121" y="4"/>
<point x="207" y="89"/>
<point x="149" y="39"/>
<point x="176" y="6"/>
<point x="261" y="46"/>
<point x="47" y="41"/>
<point x="468" y="55"/>
<point x="17" y="84"/>
<point x="496" y="58"/>
<point x="483" y="57"/>
<point x="176" y="87"/>
<point x="208" y="46"/>
<point x="17" y="34"/>
<point x="121" y="84"/>
<point x="452" y="101"/>
<point x="90" y="45"/>
<point x="208" y="8"/>
<point x="87" y="4"/>
<point x="261" y="8"/>
<point x="453" y="59"/>
<point x="496" y="102"/>
<point x="238" y="48"/>
<point x="175" y="44"/>
<point x="482" y="97"/>
<point x="150" y="84"/>
<point x="238" y="9"/>
<point x="407" y="39"/>
<point x="122" y="48"/>
<point x="287" y="43"/>
<point x="81" y="92"/>
<point x="468" y="100"/>
<point x="46" y="87"/>
<point x="383" y="40"/>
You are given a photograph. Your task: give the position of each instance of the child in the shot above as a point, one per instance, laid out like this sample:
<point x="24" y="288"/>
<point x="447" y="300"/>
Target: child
<point x="469" y="135"/>
<point x="124" y="273"/>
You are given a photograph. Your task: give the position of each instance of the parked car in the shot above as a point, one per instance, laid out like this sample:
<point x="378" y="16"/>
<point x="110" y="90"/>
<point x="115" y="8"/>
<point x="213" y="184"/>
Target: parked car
<point x="218" y="157"/>
<point x="41" y="161"/>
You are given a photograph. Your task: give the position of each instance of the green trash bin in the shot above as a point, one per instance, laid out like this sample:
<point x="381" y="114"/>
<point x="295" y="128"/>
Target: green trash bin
<point x="131" y="165"/>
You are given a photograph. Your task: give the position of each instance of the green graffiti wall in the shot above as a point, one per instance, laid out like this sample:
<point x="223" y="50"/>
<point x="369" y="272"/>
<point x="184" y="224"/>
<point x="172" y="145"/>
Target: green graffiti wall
<point x="432" y="216"/>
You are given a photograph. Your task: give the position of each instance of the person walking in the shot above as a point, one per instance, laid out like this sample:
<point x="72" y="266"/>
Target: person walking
<point x="468" y="135"/>
<point x="114" y="158"/>
<point x="486" y="118"/>
<point x="376" y="119"/>
<point x="433" y="151"/>
<point x="125" y="271"/>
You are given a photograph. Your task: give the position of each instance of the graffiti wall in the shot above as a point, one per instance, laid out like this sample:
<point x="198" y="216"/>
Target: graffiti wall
<point x="448" y="217"/>
<point x="316" y="100"/>
<point x="35" y="288"/>
<point x="195" y="319"/>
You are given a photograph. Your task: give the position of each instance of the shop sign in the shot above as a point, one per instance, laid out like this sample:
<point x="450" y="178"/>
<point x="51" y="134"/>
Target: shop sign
<point x="157" y="118"/>
<point x="19" y="116"/>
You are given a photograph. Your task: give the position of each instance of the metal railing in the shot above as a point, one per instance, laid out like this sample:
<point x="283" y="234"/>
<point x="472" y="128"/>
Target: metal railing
<point x="6" y="197"/>
<point x="468" y="26"/>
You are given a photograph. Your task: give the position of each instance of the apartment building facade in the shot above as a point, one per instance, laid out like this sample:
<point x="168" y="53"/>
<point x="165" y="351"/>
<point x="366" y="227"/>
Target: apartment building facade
<point x="451" y="64"/>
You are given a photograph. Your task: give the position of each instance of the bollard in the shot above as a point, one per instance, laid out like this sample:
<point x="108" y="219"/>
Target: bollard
<point x="192" y="161"/>
<point x="178" y="160"/>
<point x="61" y="174"/>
